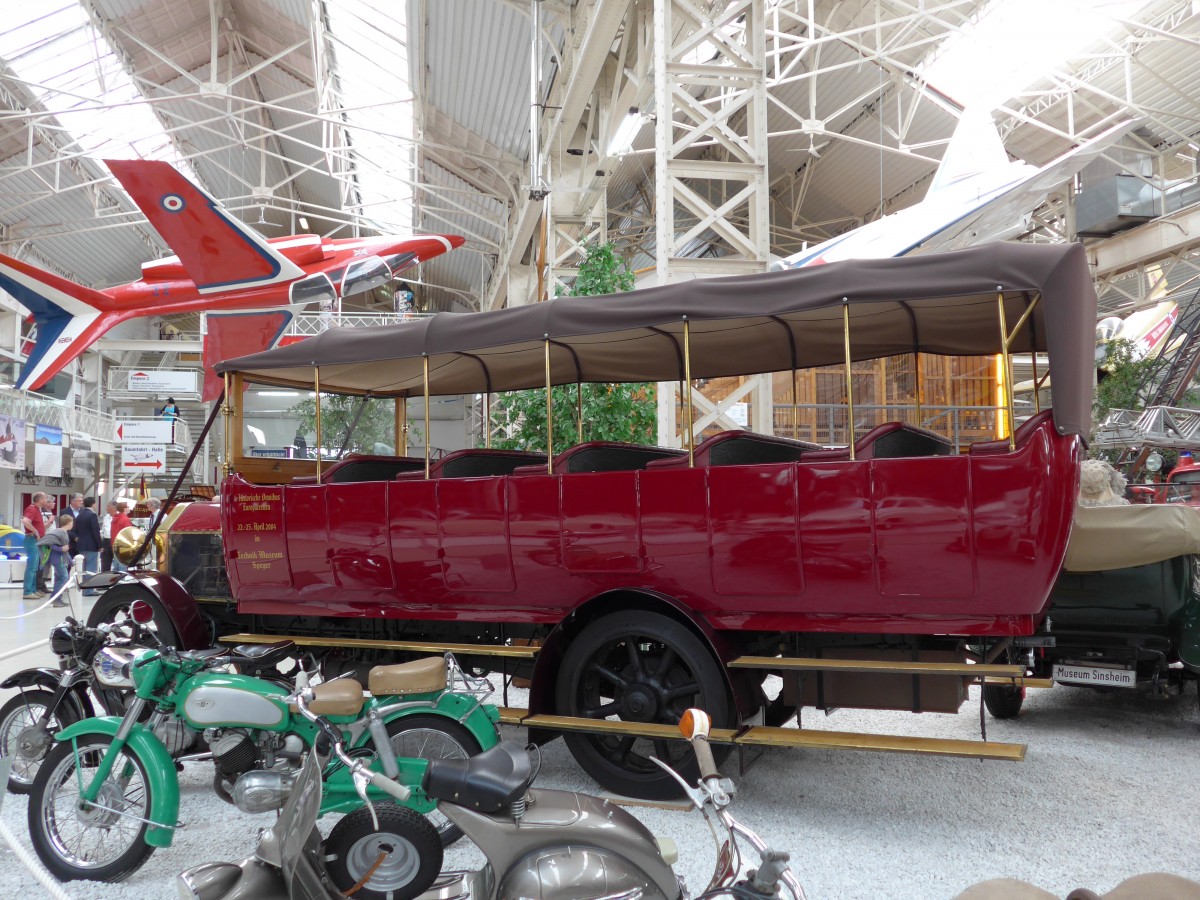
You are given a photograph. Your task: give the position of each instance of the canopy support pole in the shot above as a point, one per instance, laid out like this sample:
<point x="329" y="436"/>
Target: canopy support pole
<point x="849" y="379"/>
<point x="917" y="391"/>
<point x="402" y="425"/>
<point x="579" y="410"/>
<point x="487" y="420"/>
<point x="795" y="406"/>
<point x="549" y="411"/>
<point x="1006" y="360"/>
<point x="227" y="411"/>
<point x="1037" y="386"/>
<point x="687" y="395"/>
<point x="425" y="384"/>
<point x="317" y="394"/>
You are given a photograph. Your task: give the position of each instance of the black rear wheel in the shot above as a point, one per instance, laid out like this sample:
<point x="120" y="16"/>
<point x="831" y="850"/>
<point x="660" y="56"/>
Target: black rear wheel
<point x="1003" y="701"/>
<point x="113" y="608"/>
<point x="639" y="667"/>
<point x="26" y="738"/>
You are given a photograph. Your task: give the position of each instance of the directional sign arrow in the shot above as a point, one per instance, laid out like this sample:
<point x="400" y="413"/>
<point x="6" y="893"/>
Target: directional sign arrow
<point x="120" y="431"/>
<point x="157" y="464"/>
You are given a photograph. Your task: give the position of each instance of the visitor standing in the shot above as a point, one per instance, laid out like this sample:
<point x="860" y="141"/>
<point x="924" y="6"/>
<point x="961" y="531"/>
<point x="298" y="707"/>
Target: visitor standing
<point x="120" y="521"/>
<point x="106" y="554"/>
<point x="58" y="544"/>
<point x="35" y="528"/>
<point x="87" y="539"/>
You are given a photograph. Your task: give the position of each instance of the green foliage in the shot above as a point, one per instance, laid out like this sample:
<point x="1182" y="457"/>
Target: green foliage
<point x="376" y="425"/>
<point x="1124" y="369"/>
<point x="611" y="412"/>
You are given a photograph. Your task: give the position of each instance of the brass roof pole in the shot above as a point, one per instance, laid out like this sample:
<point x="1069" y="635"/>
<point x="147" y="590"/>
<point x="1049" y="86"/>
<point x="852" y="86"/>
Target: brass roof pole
<point x="579" y="409"/>
<point x="317" y="393"/>
<point x="227" y="412"/>
<point x="795" y="406"/>
<point x="425" y="380"/>
<point x="917" y="366"/>
<point x="1006" y="362"/>
<point x="849" y="379"/>
<point x="487" y="420"/>
<point x="687" y="395"/>
<point x="549" y="412"/>
<point x="402" y="425"/>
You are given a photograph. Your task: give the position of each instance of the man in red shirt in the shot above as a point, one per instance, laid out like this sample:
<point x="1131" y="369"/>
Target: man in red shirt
<point x="35" y="527"/>
<point x="119" y="520"/>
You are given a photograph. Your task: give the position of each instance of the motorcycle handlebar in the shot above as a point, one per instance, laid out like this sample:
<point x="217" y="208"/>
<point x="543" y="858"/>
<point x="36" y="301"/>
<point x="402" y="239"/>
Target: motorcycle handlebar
<point x="385" y="784"/>
<point x="704" y="757"/>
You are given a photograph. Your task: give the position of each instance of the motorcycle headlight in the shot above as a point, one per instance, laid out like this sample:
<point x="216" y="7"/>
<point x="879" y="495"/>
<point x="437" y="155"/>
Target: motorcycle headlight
<point x="62" y="641"/>
<point x="112" y="667"/>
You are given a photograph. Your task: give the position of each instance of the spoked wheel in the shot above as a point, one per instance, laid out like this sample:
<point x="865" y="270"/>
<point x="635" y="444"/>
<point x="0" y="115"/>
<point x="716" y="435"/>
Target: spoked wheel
<point x="24" y="738"/>
<point x="433" y="737"/>
<point x="639" y="667"/>
<point x="103" y="841"/>
<point x="397" y="861"/>
<point x="113" y="607"/>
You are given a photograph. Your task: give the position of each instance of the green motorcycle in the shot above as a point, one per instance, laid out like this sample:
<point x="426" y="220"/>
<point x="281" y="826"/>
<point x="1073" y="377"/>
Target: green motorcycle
<point x="107" y="794"/>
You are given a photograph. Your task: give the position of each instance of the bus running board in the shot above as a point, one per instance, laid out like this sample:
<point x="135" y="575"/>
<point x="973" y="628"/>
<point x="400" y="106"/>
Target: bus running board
<point x="763" y="736"/>
<point x="881" y="667"/>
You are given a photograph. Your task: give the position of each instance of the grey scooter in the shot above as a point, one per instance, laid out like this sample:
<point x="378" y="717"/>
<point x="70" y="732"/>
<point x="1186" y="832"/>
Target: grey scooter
<point x="544" y="844"/>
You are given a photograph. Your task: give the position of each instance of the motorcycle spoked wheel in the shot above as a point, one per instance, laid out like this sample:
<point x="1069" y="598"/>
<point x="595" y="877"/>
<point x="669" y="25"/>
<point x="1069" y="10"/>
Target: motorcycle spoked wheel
<point x="22" y="739"/>
<point x="426" y="736"/>
<point x="99" y="844"/>
<point x="397" y="861"/>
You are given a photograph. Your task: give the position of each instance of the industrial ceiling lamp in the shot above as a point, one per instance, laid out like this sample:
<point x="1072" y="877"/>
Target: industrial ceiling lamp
<point x="622" y="140"/>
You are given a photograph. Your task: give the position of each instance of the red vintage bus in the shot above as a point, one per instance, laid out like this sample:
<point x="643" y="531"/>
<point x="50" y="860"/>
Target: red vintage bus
<point x="630" y="582"/>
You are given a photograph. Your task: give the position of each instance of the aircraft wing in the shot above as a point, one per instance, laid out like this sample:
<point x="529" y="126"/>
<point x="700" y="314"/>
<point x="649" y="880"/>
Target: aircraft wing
<point x="996" y="217"/>
<point x="218" y="252"/>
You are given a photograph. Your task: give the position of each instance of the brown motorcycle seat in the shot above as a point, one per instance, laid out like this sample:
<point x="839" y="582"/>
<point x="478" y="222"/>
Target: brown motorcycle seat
<point x="342" y="697"/>
<point x="421" y="676"/>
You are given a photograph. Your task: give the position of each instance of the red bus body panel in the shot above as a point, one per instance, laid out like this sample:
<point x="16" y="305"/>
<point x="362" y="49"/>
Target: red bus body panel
<point x="965" y="544"/>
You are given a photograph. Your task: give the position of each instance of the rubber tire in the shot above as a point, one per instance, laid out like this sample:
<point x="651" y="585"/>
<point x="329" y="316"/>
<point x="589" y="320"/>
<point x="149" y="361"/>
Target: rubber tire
<point x="119" y="598"/>
<point x="31" y="698"/>
<point x="120" y="868"/>
<point x="397" y="824"/>
<point x="650" y="783"/>
<point x="460" y="734"/>
<point x="1003" y="701"/>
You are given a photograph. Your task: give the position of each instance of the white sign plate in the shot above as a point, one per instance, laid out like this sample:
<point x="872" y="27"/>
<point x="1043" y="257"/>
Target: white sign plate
<point x="162" y="381"/>
<point x="145" y="431"/>
<point x="1097" y="676"/>
<point x="148" y="458"/>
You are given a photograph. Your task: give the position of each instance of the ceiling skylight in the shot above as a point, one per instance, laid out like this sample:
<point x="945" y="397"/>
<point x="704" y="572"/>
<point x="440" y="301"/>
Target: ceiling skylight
<point x="370" y="92"/>
<point x="1015" y="42"/>
<point x="69" y="70"/>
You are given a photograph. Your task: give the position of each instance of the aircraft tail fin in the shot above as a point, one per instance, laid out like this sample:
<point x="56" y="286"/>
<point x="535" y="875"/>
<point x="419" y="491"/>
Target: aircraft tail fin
<point x="217" y="251"/>
<point x="68" y="316"/>
<point x="974" y="147"/>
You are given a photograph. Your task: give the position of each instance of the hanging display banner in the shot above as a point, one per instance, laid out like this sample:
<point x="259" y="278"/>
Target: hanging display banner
<point x="162" y="381"/>
<point x="145" y="431"/>
<point x="143" y="458"/>
<point x="47" y="451"/>
<point x="83" y="461"/>
<point x="12" y="443"/>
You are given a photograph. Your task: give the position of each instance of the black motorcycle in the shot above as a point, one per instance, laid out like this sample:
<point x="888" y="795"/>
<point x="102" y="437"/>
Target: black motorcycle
<point x="50" y="699"/>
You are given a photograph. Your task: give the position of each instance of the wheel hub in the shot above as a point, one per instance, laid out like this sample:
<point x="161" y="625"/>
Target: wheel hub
<point x="32" y="742"/>
<point x="640" y="703"/>
<point x="100" y="815"/>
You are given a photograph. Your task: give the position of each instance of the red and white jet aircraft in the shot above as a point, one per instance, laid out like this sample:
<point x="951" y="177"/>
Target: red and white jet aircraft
<point x="221" y="265"/>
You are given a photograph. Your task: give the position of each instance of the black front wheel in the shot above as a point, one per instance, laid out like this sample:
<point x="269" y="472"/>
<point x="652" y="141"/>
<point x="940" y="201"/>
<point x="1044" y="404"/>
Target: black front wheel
<point x="639" y="667"/>
<point x="1003" y="701"/>
<point x="397" y="861"/>
<point x="26" y="738"/>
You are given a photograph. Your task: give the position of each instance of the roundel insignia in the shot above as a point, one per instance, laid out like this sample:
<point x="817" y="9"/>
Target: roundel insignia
<point x="172" y="203"/>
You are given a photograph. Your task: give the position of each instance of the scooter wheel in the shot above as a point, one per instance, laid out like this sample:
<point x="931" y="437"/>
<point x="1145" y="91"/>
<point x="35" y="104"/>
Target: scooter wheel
<point x="397" y="861"/>
<point x="24" y="740"/>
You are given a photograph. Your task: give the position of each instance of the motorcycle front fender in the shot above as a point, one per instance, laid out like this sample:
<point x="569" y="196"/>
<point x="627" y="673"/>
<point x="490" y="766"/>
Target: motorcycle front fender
<point x="161" y="780"/>
<point x="75" y="698"/>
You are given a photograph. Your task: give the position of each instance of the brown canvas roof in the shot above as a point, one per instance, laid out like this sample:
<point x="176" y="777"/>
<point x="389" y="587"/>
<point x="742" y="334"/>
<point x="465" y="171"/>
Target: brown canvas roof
<point x="939" y="303"/>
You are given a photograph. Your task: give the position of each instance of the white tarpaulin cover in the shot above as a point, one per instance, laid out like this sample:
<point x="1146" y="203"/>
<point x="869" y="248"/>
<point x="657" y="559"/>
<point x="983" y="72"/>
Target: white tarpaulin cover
<point x="1117" y="537"/>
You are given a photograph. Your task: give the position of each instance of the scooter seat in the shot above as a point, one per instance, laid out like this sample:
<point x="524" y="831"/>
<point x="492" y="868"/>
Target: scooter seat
<point x="340" y="697"/>
<point x="489" y="781"/>
<point x="421" y="676"/>
<point x="255" y="657"/>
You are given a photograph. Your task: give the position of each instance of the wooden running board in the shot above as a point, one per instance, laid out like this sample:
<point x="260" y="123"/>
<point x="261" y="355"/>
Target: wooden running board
<point x="763" y="736"/>
<point x="971" y="670"/>
<point x="406" y="646"/>
<point x="1022" y="682"/>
